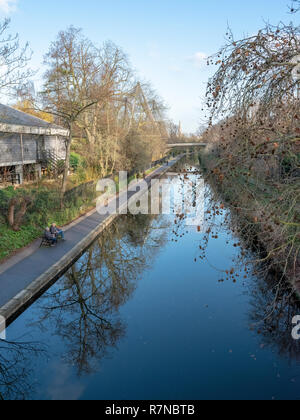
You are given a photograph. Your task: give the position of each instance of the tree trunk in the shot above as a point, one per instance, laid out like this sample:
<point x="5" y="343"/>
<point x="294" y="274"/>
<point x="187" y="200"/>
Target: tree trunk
<point x="21" y="213"/>
<point x="67" y="166"/>
<point x="11" y="211"/>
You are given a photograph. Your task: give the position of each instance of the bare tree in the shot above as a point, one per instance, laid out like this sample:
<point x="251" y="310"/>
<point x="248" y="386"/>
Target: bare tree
<point x="126" y="131"/>
<point x="102" y="124"/>
<point x="92" y="91"/>
<point x="14" y="60"/>
<point x="77" y="78"/>
<point x="255" y="70"/>
<point x="254" y="130"/>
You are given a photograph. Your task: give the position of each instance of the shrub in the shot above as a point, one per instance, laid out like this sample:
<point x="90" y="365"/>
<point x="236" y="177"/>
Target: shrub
<point x="77" y="161"/>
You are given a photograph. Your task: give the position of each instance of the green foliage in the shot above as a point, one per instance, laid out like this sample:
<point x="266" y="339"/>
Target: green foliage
<point x="7" y="194"/>
<point x="290" y="163"/>
<point x="11" y="241"/>
<point x="79" y="167"/>
<point x="80" y="175"/>
<point x="76" y="161"/>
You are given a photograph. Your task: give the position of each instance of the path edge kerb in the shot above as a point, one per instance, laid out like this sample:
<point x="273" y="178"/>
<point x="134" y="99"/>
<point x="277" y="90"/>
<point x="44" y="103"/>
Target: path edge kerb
<point x="20" y="301"/>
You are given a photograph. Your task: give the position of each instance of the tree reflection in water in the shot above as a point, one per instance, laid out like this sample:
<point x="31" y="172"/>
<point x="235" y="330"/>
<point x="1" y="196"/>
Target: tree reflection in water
<point x="85" y="306"/>
<point x="273" y="301"/>
<point x="16" y="369"/>
<point x="271" y="315"/>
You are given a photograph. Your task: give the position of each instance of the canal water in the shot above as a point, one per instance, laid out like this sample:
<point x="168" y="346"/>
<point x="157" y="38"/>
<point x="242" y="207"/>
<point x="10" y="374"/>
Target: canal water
<point x="156" y="309"/>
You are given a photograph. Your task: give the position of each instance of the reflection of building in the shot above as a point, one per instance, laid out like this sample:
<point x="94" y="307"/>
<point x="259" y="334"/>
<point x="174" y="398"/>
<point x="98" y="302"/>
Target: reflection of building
<point x="27" y="144"/>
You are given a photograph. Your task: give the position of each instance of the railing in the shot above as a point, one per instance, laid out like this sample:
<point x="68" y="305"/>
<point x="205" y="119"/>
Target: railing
<point x="50" y="159"/>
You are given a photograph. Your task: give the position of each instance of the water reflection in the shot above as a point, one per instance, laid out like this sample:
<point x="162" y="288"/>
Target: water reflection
<point x="17" y="369"/>
<point x="273" y="306"/>
<point x="84" y="307"/>
<point x="273" y="302"/>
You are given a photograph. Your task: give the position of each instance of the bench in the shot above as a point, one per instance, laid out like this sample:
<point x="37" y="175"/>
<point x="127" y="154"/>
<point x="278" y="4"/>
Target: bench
<point x="46" y="242"/>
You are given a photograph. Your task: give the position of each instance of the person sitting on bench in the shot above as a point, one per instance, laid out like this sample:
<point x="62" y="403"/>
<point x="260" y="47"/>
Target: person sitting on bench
<point x="50" y="237"/>
<point x="58" y="233"/>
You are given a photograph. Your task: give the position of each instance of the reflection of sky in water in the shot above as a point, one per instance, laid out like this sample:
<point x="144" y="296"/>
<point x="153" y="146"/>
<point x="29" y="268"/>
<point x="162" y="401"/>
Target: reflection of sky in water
<point x="180" y="194"/>
<point x="157" y="324"/>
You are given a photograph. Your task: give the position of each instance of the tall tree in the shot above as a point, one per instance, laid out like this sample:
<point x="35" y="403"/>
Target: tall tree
<point x="126" y="131"/>
<point x="102" y="124"/>
<point x="14" y="59"/>
<point x="254" y="98"/>
<point x="77" y="78"/>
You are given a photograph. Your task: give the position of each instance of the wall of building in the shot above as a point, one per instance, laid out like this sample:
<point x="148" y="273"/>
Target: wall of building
<point x="10" y="149"/>
<point x="21" y="149"/>
<point x="30" y="147"/>
<point x="57" y="145"/>
<point x="17" y="149"/>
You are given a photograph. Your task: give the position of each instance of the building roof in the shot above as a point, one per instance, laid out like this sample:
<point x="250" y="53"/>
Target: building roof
<point x="15" y="121"/>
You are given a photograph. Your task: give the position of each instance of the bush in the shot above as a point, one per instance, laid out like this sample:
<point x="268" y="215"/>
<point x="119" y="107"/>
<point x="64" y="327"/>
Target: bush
<point x="76" y="161"/>
<point x="11" y="241"/>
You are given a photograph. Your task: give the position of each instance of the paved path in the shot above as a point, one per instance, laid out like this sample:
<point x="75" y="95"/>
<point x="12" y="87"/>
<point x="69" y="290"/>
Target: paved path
<point x="21" y="271"/>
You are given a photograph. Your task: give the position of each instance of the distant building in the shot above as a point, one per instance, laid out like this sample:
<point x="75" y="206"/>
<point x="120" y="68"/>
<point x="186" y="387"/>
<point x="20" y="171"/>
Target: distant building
<point x="27" y="144"/>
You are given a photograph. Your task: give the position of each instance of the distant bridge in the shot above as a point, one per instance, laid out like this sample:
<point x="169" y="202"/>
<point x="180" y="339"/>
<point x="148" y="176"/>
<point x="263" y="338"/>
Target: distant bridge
<point x="186" y="145"/>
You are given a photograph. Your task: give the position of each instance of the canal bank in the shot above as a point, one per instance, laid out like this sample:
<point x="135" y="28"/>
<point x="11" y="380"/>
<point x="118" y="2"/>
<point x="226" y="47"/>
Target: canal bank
<point x="260" y="208"/>
<point x="31" y="276"/>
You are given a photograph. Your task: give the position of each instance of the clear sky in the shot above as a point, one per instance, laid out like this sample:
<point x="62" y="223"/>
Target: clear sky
<point x="166" y="40"/>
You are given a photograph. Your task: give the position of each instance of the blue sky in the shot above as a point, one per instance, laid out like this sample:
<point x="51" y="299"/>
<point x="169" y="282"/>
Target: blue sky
<point x="166" y="40"/>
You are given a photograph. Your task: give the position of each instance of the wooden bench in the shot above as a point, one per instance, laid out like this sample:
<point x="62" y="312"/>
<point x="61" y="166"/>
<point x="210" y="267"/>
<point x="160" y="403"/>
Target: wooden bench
<point x="46" y="242"/>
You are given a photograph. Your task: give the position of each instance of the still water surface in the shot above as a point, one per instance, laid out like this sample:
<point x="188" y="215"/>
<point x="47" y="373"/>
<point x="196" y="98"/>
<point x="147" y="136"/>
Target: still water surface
<point x="141" y="316"/>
